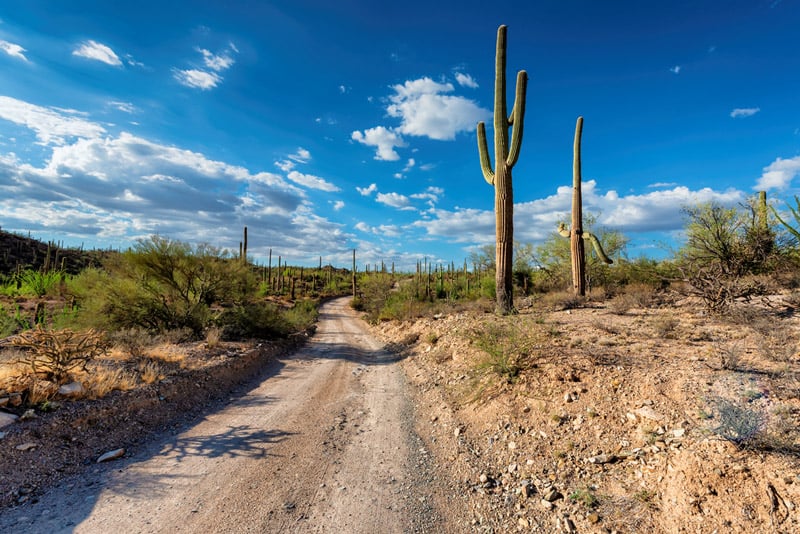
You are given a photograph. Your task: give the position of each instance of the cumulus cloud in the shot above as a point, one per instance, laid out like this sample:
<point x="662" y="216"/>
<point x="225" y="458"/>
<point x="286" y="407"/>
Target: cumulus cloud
<point x="425" y="110"/>
<point x="98" y="52"/>
<point x="394" y="200"/>
<point x="13" y="50"/>
<point x="216" y="62"/>
<point x="312" y="182"/>
<point x="675" y="70"/>
<point x="744" y="112"/>
<point x="366" y="191"/>
<point x="779" y="174"/>
<point x="465" y="80"/>
<point x="337" y="205"/>
<point x="536" y="220"/>
<point x="49" y="125"/>
<point x="109" y="188"/>
<point x="384" y="139"/>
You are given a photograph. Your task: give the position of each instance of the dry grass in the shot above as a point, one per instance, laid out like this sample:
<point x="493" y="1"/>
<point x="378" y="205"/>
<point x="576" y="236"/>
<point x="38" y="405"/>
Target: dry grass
<point x="102" y="380"/>
<point x="150" y="371"/>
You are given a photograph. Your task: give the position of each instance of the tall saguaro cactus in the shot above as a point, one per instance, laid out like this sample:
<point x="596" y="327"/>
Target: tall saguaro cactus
<point x="576" y="234"/>
<point x="505" y="157"/>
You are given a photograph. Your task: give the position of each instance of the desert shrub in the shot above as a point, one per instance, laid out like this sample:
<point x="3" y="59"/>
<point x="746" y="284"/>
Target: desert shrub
<point x="727" y="253"/>
<point x="56" y="353"/>
<point x="262" y="320"/>
<point x="665" y="326"/>
<point x="162" y="285"/>
<point x="508" y="348"/>
<point x="301" y="316"/>
<point x="39" y="284"/>
<point x="12" y="322"/>
<point x="374" y="290"/>
<point x="562" y="300"/>
<point x="739" y="423"/>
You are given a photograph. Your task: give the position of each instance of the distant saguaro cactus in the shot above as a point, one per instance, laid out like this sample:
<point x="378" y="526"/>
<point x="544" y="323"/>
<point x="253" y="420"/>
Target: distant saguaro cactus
<point x="505" y="157"/>
<point x="576" y="233"/>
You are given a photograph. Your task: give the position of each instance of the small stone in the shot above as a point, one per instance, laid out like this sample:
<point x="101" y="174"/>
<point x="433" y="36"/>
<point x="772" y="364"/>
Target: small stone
<point x="7" y="418"/>
<point x="512" y="468"/>
<point x="603" y="459"/>
<point x="434" y="418"/>
<point x="547" y="505"/>
<point x="593" y="518"/>
<point x="567" y="397"/>
<point x="678" y="432"/>
<point x="3" y="401"/>
<point x="483" y="478"/>
<point x="73" y="389"/>
<point x="647" y="412"/>
<point x="26" y="446"/>
<point x="523" y="523"/>
<point x="457" y="432"/>
<point x="552" y="495"/>
<point x="28" y="415"/>
<point x="528" y="490"/>
<point x="526" y="409"/>
<point x="111" y="455"/>
<point x="512" y="445"/>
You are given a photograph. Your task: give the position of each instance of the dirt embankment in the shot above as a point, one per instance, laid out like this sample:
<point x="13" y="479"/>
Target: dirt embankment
<point x="657" y="420"/>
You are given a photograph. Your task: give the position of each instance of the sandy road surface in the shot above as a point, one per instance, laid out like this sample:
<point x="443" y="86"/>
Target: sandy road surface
<point x="324" y="444"/>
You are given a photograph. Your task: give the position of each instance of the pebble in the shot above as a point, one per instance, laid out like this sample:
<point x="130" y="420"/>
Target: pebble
<point x="552" y="495"/>
<point x="111" y="455"/>
<point x="26" y="446"/>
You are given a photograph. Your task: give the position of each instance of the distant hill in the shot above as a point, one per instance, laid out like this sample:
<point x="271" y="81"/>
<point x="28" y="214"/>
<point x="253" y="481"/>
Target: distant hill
<point x="19" y="252"/>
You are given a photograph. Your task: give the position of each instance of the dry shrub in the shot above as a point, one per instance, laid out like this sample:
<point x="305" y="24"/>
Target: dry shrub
<point x="665" y="326"/>
<point x="134" y="341"/>
<point x="57" y="353"/>
<point x="41" y="391"/>
<point x="150" y="372"/>
<point x="102" y="380"/>
<point x="213" y="337"/>
<point x="562" y="300"/>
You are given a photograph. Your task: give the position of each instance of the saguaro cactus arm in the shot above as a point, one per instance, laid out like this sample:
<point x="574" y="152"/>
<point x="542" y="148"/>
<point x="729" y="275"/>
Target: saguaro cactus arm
<point x="483" y="152"/>
<point x="517" y="118"/>
<point x="564" y="231"/>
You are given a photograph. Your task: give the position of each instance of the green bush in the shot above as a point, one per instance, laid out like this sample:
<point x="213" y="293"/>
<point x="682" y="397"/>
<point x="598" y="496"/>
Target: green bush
<point x="262" y="320"/>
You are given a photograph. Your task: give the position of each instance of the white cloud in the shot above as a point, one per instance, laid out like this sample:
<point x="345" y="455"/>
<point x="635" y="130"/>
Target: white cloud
<point x="536" y="220"/>
<point x="13" y="50"/>
<point x="384" y="139"/>
<point x="425" y="111"/>
<point x="207" y="79"/>
<point x="395" y="200"/>
<point x="366" y="191"/>
<point x="337" y="205"/>
<point x="216" y="62"/>
<point x="744" y="112"/>
<point x="125" y="107"/>
<point x="98" y="52"/>
<point x="312" y="182"/>
<point x="50" y="126"/>
<point x="675" y="70"/>
<point x="465" y="80"/>
<point x="363" y="227"/>
<point x="779" y="174"/>
<point x="197" y="79"/>
<point x="409" y="165"/>
<point x="301" y="156"/>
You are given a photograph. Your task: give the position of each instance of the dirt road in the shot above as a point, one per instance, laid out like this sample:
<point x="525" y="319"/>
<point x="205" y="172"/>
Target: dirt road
<point x="324" y="444"/>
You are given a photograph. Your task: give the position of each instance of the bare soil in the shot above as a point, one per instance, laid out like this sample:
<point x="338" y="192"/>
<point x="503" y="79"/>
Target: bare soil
<point x="657" y="419"/>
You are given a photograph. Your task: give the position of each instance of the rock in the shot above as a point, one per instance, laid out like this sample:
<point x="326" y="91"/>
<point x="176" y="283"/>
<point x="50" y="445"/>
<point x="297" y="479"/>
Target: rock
<point x="2" y="435"/>
<point x="483" y="478"/>
<point x="512" y="468"/>
<point x="26" y="446"/>
<point x="528" y="490"/>
<point x="73" y="389"/>
<point x="3" y="401"/>
<point x="552" y="495"/>
<point x="647" y="412"/>
<point x="512" y="445"/>
<point x="678" y="432"/>
<point x="547" y="505"/>
<point x="7" y="418"/>
<point x="567" y="397"/>
<point x="111" y="455"/>
<point x="593" y="518"/>
<point x="28" y="415"/>
<point x="457" y="432"/>
<point x="523" y="523"/>
<point x="603" y="459"/>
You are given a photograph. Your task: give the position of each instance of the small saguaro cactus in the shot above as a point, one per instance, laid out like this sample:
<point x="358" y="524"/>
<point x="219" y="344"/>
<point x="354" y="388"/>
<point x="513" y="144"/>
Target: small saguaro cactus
<point x="576" y="233"/>
<point x="505" y="157"/>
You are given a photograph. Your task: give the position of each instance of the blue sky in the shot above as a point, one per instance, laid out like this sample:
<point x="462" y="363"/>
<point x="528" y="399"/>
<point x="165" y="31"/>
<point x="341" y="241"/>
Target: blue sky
<point x="328" y="126"/>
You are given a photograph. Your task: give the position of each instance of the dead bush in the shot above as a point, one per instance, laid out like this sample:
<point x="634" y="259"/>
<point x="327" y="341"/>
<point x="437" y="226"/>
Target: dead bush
<point x="56" y="353"/>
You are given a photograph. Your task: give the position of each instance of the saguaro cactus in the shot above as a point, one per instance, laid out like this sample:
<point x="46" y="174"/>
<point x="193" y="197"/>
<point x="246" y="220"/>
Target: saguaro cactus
<point x="576" y="233"/>
<point x="505" y="157"/>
